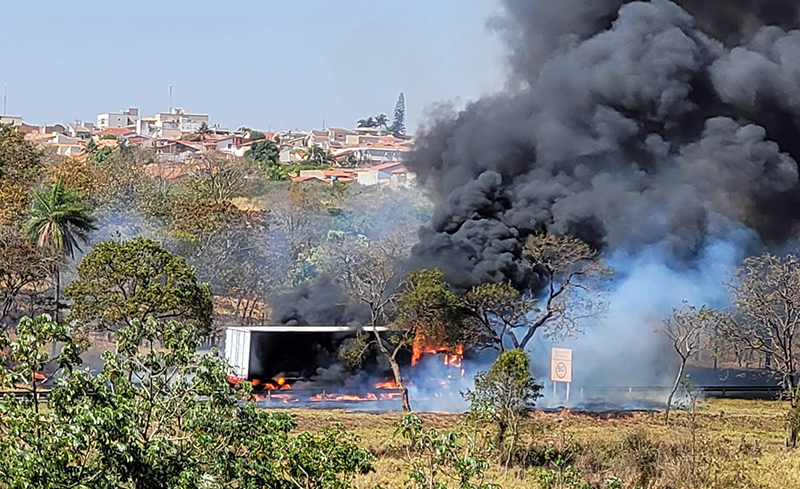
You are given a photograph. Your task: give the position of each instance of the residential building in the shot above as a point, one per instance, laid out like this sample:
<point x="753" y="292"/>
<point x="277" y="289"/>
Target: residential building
<point x="176" y="150"/>
<point x="327" y="176"/>
<point x="180" y="120"/>
<point x="10" y="119"/>
<point x="318" y="139"/>
<point x="114" y="132"/>
<point x="139" y="140"/>
<point x="79" y="130"/>
<point x="393" y="174"/>
<point x="146" y="126"/>
<point x="125" y="118"/>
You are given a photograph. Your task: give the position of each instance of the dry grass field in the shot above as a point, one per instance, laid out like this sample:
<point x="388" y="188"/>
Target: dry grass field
<point x="725" y="444"/>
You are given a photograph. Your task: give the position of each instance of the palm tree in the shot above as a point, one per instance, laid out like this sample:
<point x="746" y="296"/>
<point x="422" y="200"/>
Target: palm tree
<point x="60" y="218"/>
<point x="317" y="156"/>
<point x="382" y="122"/>
<point x="203" y="131"/>
<point x="368" y="122"/>
<point x="90" y="146"/>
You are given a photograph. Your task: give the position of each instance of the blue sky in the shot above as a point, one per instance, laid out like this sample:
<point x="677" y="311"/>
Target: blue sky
<point x="267" y="64"/>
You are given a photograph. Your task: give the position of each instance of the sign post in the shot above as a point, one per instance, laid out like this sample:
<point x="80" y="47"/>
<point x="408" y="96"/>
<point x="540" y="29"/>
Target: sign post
<point x="561" y="368"/>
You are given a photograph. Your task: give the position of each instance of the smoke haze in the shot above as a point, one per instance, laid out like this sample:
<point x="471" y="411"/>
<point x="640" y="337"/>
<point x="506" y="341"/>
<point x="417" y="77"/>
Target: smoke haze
<point x="631" y="125"/>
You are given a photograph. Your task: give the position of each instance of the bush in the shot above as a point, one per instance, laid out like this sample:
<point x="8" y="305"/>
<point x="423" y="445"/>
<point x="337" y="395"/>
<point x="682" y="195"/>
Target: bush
<point x="503" y="395"/>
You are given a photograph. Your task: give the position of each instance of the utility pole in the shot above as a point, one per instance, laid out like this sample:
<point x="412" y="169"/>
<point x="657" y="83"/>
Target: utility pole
<point x="5" y="97"/>
<point x="170" y="99"/>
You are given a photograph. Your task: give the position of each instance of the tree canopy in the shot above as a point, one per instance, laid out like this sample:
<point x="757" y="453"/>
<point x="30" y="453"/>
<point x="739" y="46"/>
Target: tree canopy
<point x="158" y="418"/>
<point x="20" y="168"/>
<point x="119" y="282"/>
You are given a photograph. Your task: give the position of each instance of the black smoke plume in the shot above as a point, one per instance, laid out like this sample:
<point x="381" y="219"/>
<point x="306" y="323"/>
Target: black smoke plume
<point x="631" y="125"/>
<point x="318" y="303"/>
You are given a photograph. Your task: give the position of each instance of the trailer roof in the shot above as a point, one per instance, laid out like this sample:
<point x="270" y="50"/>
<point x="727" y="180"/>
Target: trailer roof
<point x="308" y="329"/>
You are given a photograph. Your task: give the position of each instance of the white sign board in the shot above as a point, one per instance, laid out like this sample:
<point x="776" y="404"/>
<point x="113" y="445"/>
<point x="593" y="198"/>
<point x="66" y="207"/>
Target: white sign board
<point x="561" y="365"/>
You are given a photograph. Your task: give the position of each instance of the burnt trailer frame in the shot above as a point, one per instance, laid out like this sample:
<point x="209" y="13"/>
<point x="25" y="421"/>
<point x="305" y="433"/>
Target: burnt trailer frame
<point x="248" y="348"/>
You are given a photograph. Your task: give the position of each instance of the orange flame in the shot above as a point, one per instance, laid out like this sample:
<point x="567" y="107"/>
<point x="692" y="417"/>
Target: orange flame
<point x="389" y="384"/>
<point x="275" y="385"/>
<point x="452" y="357"/>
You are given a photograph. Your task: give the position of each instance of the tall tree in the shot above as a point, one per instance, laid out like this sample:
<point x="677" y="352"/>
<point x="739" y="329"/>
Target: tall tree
<point x="570" y="276"/>
<point x="399" y="123"/>
<point x="60" y="219"/>
<point x="765" y="318"/>
<point x="368" y="122"/>
<point x="686" y="329"/>
<point x="22" y="266"/>
<point x="20" y="168"/>
<point x="203" y="131"/>
<point x="266" y="153"/>
<point x="428" y="313"/>
<point x="382" y="122"/>
<point x="119" y="282"/>
<point x="495" y="312"/>
<point x="317" y="156"/>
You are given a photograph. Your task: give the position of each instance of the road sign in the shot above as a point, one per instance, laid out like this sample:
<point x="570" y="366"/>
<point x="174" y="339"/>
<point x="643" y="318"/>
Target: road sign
<point x="561" y="365"/>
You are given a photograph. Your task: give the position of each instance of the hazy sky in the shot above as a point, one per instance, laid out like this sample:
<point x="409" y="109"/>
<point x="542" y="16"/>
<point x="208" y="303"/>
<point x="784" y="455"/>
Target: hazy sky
<point x="263" y="63"/>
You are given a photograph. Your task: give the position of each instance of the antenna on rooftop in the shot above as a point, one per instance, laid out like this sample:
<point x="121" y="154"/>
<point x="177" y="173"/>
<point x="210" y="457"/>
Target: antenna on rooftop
<point x="5" y="98"/>
<point x="170" y="99"/>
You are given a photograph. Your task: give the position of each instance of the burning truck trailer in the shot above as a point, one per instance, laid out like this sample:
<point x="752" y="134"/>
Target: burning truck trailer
<point x="300" y="366"/>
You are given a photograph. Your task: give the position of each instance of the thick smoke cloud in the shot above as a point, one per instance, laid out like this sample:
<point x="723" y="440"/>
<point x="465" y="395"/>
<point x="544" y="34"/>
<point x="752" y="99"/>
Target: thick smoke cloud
<point x="632" y="125"/>
<point x="318" y="303"/>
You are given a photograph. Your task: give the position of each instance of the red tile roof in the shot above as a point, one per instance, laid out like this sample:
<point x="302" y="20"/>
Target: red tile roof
<point x="115" y="131"/>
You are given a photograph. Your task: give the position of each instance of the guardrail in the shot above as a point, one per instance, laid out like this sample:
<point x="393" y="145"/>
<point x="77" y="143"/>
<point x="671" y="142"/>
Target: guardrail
<point x="720" y="391"/>
<point x="716" y="391"/>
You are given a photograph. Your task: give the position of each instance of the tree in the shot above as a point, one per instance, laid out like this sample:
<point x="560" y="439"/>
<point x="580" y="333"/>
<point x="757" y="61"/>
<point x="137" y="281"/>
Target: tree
<point x="20" y="168"/>
<point x="119" y="282"/>
<point x="219" y="179"/>
<point x="382" y="122"/>
<point x="159" y="419"/>
<point x="765" y="317"/>
<point x="317" y="156"/>
<point x="265" y="153"/>
<point x="496" y="311"/>
<point x="505" y="392"/>
<point x="569" y="278"/>
<point x="22" y="265"/>
<point x="428" y="313"/>
<point x="399" y="124"/>
<point x="371" y="275"/>
<point x="203" y="131"/>
<point x="26" y="360"/>
<point x="686" y="330"/>
<point x="76" y="174"/>
<point x="121" y="184"/>
<point x="90" y="146"/>
<point x="60" y="219"/>
<point x="369" y="122"/>
<point x="257" y="135"/>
